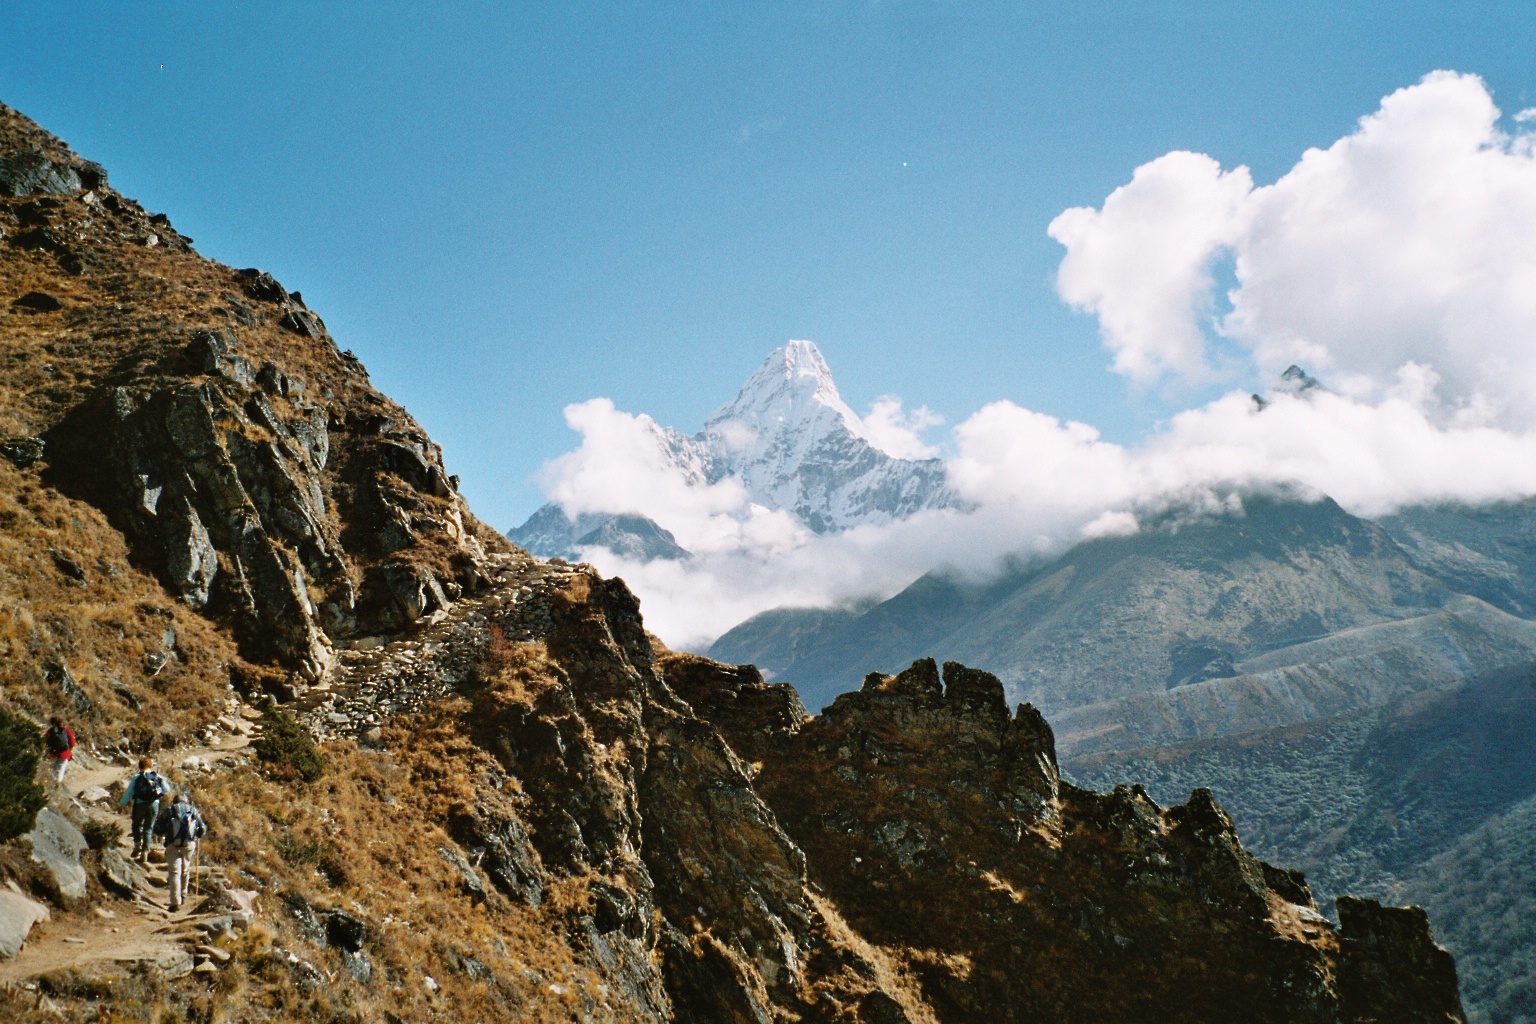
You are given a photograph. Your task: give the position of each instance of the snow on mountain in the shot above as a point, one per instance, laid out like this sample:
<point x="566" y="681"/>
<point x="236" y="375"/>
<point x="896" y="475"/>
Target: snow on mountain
<point x="792" y="443"/>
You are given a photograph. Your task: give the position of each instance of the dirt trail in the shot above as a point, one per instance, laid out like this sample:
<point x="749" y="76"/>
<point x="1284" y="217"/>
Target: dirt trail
<point x="121" y="929"/>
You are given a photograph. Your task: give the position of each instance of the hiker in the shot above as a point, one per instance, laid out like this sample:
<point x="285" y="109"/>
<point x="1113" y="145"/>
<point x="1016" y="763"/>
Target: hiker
<point x="181" y="826"/>
<point x="144" y="791"/>
<point x="59" y="741"/>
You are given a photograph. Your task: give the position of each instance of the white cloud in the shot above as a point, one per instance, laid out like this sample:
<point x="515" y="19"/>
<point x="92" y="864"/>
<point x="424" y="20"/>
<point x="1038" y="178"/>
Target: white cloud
<point x="899" y="433"/>
<point x="1040" y="484"/>
<point x="627" y="464"/>
<point x="1412" y="239"/>
<point x="1142" y="262"/>
<point x="1398" y="264"/>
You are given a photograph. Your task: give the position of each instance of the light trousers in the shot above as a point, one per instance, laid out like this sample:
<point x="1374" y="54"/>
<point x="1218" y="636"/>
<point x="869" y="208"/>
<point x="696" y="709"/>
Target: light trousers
<point x="178" y="870"/>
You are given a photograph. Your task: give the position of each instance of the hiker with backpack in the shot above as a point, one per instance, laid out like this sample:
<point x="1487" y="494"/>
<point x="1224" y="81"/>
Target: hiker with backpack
<point x="144" y="791"/>
<point x="181" y="826"/>
<point x="59" y="741"/>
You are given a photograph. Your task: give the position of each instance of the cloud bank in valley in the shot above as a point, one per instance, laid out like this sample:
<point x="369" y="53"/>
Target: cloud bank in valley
<point x="1398" y="264"/>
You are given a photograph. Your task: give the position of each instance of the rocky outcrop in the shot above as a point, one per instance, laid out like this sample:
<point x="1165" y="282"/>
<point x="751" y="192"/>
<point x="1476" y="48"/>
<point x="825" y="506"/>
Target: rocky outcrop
<point x="222" y="473"/>
<point x="624" y="781"/>
<point x="938" y="823"/>
<point x="56" y="845"/>
<point x="1392" y="968"/>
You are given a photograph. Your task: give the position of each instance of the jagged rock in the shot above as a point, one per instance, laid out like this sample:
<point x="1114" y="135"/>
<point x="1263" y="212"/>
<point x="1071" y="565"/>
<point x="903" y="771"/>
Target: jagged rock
<point x="92" y="174"/>
<point x="1392" y="968"/>
<point x="415" y="589"/>
<point x="930" y="814"/>
<point x="263" y="286"/>
<point x="122" y="874"/>
<point x="191" y="476"/>
<point x="23" y="451"/>
<point x="191" y="561"/>
<point x="509" y="860"/>
<point x="302" y="321"/>
<point x="38" y="302"/>
<point x="410" y="462"/>
<point x="17" y="916"/>
<point x="309" y="922"/>
<point x="750" y="713"/>
<point x="226" y="481"/>
<point x="214" y="352"/>
<point x="30" y="174"/>
<point x="58" y="674"/>
<point x="466" y="872"/>
<point x="358" y="965"/>
<point x="57" y="845"/>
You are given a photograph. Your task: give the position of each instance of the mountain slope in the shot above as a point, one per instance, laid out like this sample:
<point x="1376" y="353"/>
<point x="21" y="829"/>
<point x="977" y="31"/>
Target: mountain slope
<point x="793" y="444"/>
<point x="936" y="817"/>
<point x="1180" y="602"/>
<point x="1343" y="672"/>
<point x="1418" y="799"/>
<point x="1488" y="551"/>
<point x="479" y="792"/>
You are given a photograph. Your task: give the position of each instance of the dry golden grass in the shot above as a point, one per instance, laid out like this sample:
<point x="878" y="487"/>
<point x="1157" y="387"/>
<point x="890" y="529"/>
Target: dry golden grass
<point x="101" y="628"/>
<point x="365" y="839"/>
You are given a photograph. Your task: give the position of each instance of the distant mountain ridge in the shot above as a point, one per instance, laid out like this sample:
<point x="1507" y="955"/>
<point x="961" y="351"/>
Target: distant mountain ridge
<point x="1428" y="799"/>
<point x="1291" y="612"/>
<point x="1361" y="695"/>
<point x="793" y="444"/>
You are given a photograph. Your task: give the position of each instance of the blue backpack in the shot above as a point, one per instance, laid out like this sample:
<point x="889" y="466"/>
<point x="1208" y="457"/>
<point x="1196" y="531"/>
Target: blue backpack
<point x="148" y="787"/>
<point x="185" y="827"/>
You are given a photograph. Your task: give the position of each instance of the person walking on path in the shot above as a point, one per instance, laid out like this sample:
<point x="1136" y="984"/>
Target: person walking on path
<point x="181" y="826"/>
<point x="59" y="741"/>
<point x="143" y="791"/>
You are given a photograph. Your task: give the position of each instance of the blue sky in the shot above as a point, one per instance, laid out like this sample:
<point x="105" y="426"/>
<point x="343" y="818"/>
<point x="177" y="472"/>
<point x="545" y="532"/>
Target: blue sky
<point x="504" y="209"/>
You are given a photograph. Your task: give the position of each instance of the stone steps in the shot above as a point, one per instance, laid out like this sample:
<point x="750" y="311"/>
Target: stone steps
<point x="368" y="686"/>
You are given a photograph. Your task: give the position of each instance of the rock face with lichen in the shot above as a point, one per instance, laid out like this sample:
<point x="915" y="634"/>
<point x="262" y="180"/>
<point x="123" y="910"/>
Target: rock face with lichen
<point x="269" y="504"/>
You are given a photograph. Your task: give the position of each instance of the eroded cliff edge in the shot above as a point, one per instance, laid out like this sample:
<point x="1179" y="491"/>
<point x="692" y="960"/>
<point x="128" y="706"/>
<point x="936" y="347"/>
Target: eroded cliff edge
<point x="938" y="821"/>
<point x="532" y="811"/>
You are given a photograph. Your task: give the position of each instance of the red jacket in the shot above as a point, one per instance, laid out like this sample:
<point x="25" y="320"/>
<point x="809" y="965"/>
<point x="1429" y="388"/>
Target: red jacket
<point x="69" y="751"/>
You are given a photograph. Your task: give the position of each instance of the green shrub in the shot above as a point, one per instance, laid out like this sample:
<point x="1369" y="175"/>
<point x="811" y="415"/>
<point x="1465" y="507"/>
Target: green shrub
<point x="285" y="743"/>
<point x="101" y="835"/>
<point x="21" y="748"/>
<point x="298" y="850"/>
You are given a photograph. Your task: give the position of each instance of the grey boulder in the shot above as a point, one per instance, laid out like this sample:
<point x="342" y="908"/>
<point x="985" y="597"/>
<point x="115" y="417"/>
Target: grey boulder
<point x="17" y="916"/>
<point x="122" y="874"/>
<point x="57" y="845"/>
<point x="29" y="174"/>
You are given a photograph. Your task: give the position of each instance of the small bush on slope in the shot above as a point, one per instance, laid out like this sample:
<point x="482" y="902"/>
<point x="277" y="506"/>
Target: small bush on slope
<point x="20" y="796"/>
<point x="286" y="744"/>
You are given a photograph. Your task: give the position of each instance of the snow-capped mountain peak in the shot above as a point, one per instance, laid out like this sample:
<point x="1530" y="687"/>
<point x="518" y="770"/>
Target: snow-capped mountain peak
<point x="792" y="391"/>
<point x="793" y="444"/>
